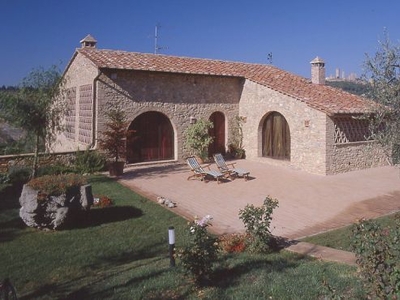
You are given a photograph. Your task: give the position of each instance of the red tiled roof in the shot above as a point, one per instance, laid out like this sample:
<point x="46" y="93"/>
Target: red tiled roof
<point x="321" y="97"/>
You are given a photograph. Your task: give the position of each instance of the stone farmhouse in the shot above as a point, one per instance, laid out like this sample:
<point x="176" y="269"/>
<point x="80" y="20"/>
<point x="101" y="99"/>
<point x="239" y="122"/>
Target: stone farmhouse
<point x="288" y="120"/>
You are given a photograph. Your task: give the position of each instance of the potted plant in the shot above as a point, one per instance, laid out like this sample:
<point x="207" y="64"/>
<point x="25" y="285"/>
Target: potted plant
<point x="197" y="138"/>
<point x="114" y="140"/>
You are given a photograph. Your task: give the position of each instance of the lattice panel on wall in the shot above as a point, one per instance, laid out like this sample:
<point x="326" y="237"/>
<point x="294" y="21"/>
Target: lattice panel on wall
<point x="349" y="130"/>
<point x="71" y="113"/>
<point x="85" y="113"/>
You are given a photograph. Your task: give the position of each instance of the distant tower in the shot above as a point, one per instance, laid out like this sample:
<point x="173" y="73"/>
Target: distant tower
<point x="317" y="71"/>
<point x="88" y="42"/>
<point x="337" y="73"/>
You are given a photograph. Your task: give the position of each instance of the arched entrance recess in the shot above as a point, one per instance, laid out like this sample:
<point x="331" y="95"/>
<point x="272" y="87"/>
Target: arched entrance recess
<point x="218" y="133"/>
<point x="276" y="137"/>
<point x="152" y="138"/>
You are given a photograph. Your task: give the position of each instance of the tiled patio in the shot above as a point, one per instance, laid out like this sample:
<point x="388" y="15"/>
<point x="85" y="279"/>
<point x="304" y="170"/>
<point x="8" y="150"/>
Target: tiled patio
<point x="308" y="204"/>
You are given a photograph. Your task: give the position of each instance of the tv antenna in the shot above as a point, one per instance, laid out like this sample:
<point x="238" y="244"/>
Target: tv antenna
<point x="269" y="58"/>
<point x="157" y="48"/>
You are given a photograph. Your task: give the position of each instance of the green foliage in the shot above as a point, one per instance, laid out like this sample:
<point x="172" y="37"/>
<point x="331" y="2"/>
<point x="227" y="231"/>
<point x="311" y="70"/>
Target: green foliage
<point x="257" y="221"/>
<point x="359" y="88"/>
<point x="55" y="169"/>
<point x="201" y="253"/>
<point x="382" y="76"/>
<point x="114" y="136"/>
<point x="235" y="146"/>
<point x="19" y="174"/>
<point x="378" y="255"/>
<point x="37" y="107"/>
<point x="56" y="184"/>
<point x="89" y="162"/>
<point x="197" y="138"/>
<point x="4" y="178"/>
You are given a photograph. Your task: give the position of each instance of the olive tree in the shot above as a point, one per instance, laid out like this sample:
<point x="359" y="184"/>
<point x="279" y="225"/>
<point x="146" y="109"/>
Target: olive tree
<point x="37" y="107"/>
<point x="381" y="74"/>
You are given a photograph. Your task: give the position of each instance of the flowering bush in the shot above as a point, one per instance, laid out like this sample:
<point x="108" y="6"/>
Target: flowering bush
<point x="257" y="221"/>
<point x="377" y="250"/>
<point x="233" y="243"/>
<point x="201" y="252"/>
<point x="56" y="184"/>
<point x="102" y="201"/>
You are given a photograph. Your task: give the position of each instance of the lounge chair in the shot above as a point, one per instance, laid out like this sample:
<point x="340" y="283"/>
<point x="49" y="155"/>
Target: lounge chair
<point x="199" y="172"/>
<point x="230" y="171"/>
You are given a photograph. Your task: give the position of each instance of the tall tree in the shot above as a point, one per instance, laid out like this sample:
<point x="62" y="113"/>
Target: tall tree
<point x="382" y="74"/>
<point x="36" y="107"/>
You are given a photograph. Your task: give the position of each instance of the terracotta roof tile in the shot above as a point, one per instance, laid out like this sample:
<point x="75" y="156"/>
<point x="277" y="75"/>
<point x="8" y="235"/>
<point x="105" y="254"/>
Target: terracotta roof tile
<point x="327" y="99"/>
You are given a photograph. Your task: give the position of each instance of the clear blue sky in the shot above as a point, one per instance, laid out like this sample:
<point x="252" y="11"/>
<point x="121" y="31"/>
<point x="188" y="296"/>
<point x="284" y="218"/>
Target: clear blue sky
<point x="41" y="33"/>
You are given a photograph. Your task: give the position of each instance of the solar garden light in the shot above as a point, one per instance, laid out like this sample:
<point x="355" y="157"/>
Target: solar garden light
<point x="171" y="241"/>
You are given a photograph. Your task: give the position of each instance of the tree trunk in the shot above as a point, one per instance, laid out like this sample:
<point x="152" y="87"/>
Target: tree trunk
<point x="35" y="157"/>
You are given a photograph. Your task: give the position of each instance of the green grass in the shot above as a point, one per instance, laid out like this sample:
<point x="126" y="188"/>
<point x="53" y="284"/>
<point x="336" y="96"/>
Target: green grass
<point x="122" y="253"/>
<point x="341" y="238"/>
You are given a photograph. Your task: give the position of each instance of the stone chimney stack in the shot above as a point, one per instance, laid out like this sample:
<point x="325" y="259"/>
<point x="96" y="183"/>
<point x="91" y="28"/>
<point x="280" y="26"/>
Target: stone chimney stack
<point x="317" y="71"/>
<point x="88" y="42"/>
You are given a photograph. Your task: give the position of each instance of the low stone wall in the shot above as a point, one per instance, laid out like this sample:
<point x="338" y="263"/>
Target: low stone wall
<point x="45" y="159"/>
<point x="356" y="156"/>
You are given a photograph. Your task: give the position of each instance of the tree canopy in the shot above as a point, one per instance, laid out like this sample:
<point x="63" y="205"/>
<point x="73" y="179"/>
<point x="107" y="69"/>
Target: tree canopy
<point x="37" y="106"/>
<point x="382" y="74"/>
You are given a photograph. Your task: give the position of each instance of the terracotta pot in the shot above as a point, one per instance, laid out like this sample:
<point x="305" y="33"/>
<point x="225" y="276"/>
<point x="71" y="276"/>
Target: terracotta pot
<point x="116" y="168"/>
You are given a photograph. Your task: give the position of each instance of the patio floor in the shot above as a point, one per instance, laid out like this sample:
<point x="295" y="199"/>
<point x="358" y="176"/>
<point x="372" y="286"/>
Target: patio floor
<point x="308" y="204"/>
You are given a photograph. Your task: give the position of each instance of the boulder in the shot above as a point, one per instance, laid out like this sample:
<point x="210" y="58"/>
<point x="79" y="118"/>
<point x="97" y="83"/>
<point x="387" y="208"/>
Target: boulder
<point x="53" y="212"/>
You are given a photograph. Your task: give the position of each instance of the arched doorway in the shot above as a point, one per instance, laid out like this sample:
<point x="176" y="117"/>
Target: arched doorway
<point x="152" y="138"/>
<point x="218" y="133"/>
<point x="276" y="137"/>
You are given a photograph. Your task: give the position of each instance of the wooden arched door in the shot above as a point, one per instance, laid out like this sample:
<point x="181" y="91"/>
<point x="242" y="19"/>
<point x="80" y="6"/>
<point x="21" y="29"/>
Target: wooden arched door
<point x="276" y="137"/>
<point x="218" y="134"/>
<point x="150" y="138"/>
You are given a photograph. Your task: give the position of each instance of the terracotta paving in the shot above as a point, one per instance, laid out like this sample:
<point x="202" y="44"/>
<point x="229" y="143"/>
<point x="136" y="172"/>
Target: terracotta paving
<point x="308" y="204"/>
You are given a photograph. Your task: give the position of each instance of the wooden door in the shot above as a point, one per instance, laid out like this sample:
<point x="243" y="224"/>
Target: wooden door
<point x="218" y="134"/>
<point x="152" y="138"/>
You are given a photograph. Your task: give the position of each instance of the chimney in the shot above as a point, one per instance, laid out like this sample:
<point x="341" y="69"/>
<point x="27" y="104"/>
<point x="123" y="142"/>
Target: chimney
<point x="317" y="71"/>
<point x="88" y="42"/>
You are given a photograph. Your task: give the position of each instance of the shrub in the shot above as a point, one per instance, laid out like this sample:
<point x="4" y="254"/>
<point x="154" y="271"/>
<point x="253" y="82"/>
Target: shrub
<point x="102" y="201"/>
<point x="378" y="251"/>
<point x="202" y="251"/>
<point x="257" y="221"/>
<point x="55" y="169"/>
<point x="89" y="161"/>
<point x="197" y="138"/>
<point x="19" y="174"/>
<point x="4" y="178"/>
<point x="233" y="243"/>
<point x="56" y="184"/>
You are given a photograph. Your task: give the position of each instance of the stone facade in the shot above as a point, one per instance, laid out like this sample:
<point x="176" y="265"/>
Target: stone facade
<point x="307" y="126"/>
<point x="177" y="96"/>
<point x="182" y="96"/>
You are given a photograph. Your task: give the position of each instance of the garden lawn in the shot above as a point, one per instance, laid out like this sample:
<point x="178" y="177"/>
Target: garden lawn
<point x="342" y="238"/>
<point x="121" y="252"/>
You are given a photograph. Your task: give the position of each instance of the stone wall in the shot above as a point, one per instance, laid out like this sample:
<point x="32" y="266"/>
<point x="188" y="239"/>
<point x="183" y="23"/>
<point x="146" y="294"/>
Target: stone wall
<point x="351" y="156"/>
<point x="182" y="96"/>
<point x="81" y="87"/>
<point x="45" y="159"/>
<point x="177" y="96"/>
<point x="307" y="127"/>
<point x="356" y="156"/>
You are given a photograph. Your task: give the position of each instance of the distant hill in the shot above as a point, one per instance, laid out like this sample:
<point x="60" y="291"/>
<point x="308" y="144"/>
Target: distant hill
<point x="9" y="134"/>
<point x="354" y="87"/>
